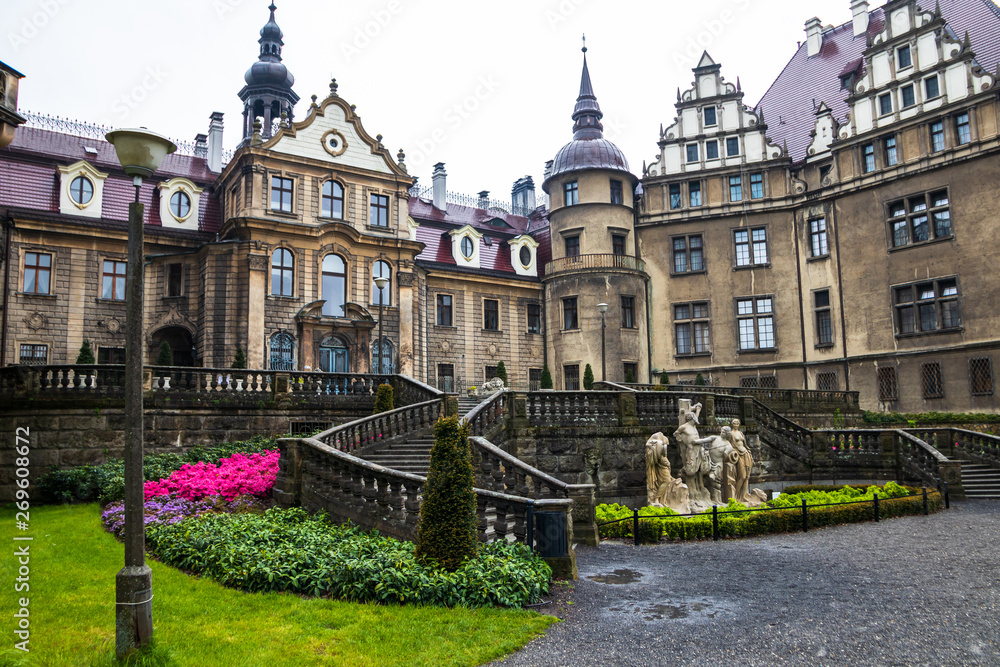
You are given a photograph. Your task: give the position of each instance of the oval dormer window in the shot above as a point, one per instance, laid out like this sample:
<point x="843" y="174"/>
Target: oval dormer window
<point x="467" y="248"/>
<point x="81" y="190"/>
<point x="525" y="256"/>
<point x="180" y="205"/>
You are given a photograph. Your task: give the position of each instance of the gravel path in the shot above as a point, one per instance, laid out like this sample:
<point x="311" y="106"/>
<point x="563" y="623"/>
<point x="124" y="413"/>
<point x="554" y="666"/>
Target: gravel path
<point x="909" y="591"/>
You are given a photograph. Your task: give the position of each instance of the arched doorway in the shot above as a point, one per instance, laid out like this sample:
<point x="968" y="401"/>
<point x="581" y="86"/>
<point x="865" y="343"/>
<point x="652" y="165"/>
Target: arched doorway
<point x="181" y="344"/>
<point x="334" y="356"/>
<point x="282" y="352"/>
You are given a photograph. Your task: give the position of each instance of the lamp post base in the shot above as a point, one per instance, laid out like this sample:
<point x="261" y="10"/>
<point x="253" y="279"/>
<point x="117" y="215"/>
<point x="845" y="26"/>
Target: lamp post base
<point x="133" y="608"/>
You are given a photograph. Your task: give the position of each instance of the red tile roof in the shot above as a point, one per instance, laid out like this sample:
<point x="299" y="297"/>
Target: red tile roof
<point x="788" y="103"/>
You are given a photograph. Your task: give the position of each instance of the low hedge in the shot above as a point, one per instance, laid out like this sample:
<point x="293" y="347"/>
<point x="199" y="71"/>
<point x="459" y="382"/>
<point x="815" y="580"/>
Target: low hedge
<point x="287" y="550"/>
<point x="106" y="482"/>
<point x="928" y="418"/>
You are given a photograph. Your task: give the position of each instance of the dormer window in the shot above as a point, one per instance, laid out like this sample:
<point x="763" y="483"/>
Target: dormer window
<point x="525" y="256"/>
<point x="465" y="246"/>
<point x="180" y="205"/>
<point x="522" y="255"/>
<point x="468" y="248"/>
<point x="710" y="118"/>
<point x="903" y="58"/>
<point x="81" y="191"/>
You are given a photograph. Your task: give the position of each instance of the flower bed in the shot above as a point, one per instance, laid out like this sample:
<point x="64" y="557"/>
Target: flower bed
<point x="237" y="475"/>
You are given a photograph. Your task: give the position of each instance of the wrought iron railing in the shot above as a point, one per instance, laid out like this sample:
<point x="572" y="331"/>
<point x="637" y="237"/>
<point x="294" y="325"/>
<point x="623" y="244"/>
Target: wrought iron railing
<point x="473" y="201"/>
<point x="598" y="261"/>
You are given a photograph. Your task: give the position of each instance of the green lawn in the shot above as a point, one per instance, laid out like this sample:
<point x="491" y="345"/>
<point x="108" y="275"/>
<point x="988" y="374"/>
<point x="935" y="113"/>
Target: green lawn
<point x="73" y="566"/>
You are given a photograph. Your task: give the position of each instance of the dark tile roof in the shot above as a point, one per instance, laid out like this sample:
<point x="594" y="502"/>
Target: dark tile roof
<point x="478" y="218"/>
<point x="788" y="103"/>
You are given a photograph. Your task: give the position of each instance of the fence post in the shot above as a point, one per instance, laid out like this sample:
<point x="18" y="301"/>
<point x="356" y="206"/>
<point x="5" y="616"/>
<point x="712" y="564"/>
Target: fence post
<point x="926" y="509"/>
<point x="875" y="502"/>
<point x="805" y="517"/>
<point x="715" y="522"/>
<point x="530" y="537"/>
<point x="947" y="497"/>
<point x="635" y="526"/>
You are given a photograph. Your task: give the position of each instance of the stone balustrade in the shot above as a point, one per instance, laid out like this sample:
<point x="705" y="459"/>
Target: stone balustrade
<point x="854" y="446"/>
<point x="489" y="415"/>
<point x="383" y="428"/>
<point x="780" y="398"/>
<point x="572" y="408"/>
<point x="922" y="461"/>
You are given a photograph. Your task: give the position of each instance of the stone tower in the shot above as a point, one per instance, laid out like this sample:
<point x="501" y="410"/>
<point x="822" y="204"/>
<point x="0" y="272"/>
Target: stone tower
<point x="268" y="92"/>
<point x="594" y="262"/>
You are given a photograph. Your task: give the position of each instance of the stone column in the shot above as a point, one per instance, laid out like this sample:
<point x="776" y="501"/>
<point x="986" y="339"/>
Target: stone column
<point x="404" y="281"/>
<point x="255" y="310"/>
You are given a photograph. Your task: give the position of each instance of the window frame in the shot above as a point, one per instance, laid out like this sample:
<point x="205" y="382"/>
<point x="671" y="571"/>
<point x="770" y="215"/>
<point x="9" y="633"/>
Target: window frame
<point x="759" y="175"/>
<point x="37" y="268"/>
<point x="688" y="154"/>
<point x="619" y="243"/>
<point x="932" y="212"/>
<point x="617" y="192"/>
<point x="881" y="101"/>
<point x="903" y="94"/>
<point x="890" y="153"/>
<point x="324" y="272"/>
<point x="905" y="48"/>
<point x="572" y="245"/>
<point x="115" y="276"/>
<point x="752" y="246"/>
<point x="571" y="193"/>
<point x="175" y="280"/>
<point x="387" y="268"/>
<point x="444" y="305"/>
<point x="982" y="362"/>
<point x="282" y="270"/>
<point x="332" y="198"/>
<point x="887" y="384"/>
<point x="868" y="158"/>
<point x="735" y="189"/>
<point x="628" y="311"/>
<point x="534" y="318"/>
<point x="696" y="185"/>
<point x="823" y="313"/>
<point x="106" y="355"/>
<point x="756" y="317"/>
<point x="679" y="201"/>
<point x="575" y="375"/>
<point x="917" y="304"/>
<point x="730" y="141"/>
<point x="491" y="314"/>
<point x="378" y="210"/>
<point x="74" y="191"/>
<point x="278" y="183"/>
<point x="937" y="87"/>
<point x="715" y="116"/>
<point x="712" y="146"/>
<point x="181" y="196"/>
<point x="931" y="380"/>
<point x="33" y="349"/>
<point x="698" y="328"/>
<point x="570" y="306"/>
<point x="937" y="143"/>
<point x="827" y="376"/>
<point x="818" y="232"/>
<point x="963" y="138"/>
<point x="688" y="254"/>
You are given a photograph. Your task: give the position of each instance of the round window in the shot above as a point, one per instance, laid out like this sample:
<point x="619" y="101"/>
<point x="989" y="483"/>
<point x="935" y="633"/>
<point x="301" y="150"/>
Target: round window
<point x="525" y="256"/>
<point x="81" y="190"/>
<point x="180" y="205"/>
<point x="467" y="247"/>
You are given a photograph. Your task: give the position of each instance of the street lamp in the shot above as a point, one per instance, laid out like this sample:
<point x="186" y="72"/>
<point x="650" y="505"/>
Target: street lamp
<point x="603" y="307"/>
<point x="380" y="283"/>
<point x="140" y="153"/>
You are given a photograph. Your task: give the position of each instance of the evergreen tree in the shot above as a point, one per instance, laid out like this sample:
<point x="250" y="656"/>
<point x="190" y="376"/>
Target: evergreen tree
<point x="86" y="355"/>
<point x="383" y="399"/>
<point x="240" y="360"/>
<point x="502" y="373"/>
<point x="546" y="382"/>
<point x="166" y="355"/>
<point x="699" y="380"/>
<point x="629" y="377"/>
<point x="588" y="378"/>
<point x="664" y="378"/>
<point x="447" y="530"/>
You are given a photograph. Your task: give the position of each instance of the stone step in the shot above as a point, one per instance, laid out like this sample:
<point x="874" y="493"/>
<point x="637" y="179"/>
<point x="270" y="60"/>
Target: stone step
<point x="381" y="459"/>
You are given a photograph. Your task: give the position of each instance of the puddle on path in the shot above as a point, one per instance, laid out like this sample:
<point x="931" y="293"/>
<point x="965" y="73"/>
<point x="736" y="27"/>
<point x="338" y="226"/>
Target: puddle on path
<point x="617" y="578"/>
<point x="697" y="610"/>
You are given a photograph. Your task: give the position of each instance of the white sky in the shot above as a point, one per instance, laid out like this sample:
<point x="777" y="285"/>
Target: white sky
<point x="416" y="74"/>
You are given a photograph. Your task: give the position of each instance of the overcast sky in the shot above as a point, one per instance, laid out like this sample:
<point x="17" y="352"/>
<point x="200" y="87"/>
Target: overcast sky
<point x="487" y="88"/>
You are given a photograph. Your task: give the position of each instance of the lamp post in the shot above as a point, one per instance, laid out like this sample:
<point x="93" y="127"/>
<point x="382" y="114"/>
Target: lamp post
<point x="140" y="153"/>
<point x="603" y="307"/>
<point x="380" y="283"/>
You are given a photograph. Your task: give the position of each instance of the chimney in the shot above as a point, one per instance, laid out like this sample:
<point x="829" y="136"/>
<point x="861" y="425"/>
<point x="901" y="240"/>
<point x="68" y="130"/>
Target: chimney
<point x="523" y="196"/>
<point x="439" y="185"/>
<point x="548" y="169"/>
<point x="215" y="142"/>
<point x="814" y="36"/>
<point x="201" y="145"/>
<point x="484" y="199"/>
<point x="859" y="8"/>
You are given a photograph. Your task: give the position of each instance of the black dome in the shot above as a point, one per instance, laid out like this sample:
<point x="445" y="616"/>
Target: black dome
<point x="266" y="73"/>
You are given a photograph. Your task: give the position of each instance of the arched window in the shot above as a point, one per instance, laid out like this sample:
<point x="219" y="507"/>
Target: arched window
<point x="388" y="357"/>
<point x="382" y="270"/>
<point x="282" y="352"/>
<point x="334" y="356"/>
<point x="180" y="205"/>
<point x="333" y="200"/>
<point x="282" y="272"/>
<point x="334" y="285"/>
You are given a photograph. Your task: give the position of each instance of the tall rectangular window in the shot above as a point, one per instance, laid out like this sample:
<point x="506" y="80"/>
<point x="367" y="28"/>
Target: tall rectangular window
<point x="963" y="134"/>
<point x="37" y="272"/>
<point x="379" y="211"/>
<point x="281" y="194"/>
<point x="628" y="312"/>
<point x="489" y="372"/>
<point x="631" y="372"/>
<point x="931" y="384"/>
<point x="446" y="377"/>
<point x="534" y="379"/>
<point x="931" y="88"/>
<point x="113" y="280"/>
<point x="569" y="314"/>
<point x="981" y="376"/>
<point x="175" y="279"/>
<point x="491" y="314"/>
<point x="751" y="246"/>
<point x="919" y="218"/>
<point x="710" y="117"/>
<point x="712" y="150"/>
<point x="868" y="158"/>
<point x="617" y="244"/>
<point x="675" y="196"/>
<point x="616" y="192"/>
<point x="691" y="328"/>
<point x="444" y="310"/>
<point x="817" y="237"/>
<point x="888" y="386"/>
<point x="572" y="246"/>
<point x="688" y="253"/>
<point x="903" y="57"/>
<point x="534" y="318"/>
<point x="692" y="152"/>
<point x="889" y="151"/>
<point x="907" y="96"/>
<point x="571" y="193"/>
<point x="735" y="188"/>
<point x="755" y="323"/>
<point x="757" y="185"/>
<point x="885" y="104"/>
<point x="571" y="377"/>
<point x="937" y="136"/>
<point x="927" y="306"/>
<point x="33" y="355"/>
<point x="732" y="146"/>
<point x="694" y="193"/>
<point x="824" y="320"/>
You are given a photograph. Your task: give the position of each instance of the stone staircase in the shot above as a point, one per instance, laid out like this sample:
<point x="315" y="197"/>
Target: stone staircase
<point x="414" y="455"/>
<point x="980" y="481"/>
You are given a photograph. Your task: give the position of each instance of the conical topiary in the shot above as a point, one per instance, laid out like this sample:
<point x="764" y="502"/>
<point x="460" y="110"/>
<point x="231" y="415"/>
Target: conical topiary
<point x="383" y="399"/>
<point x="447" y="530"/>
<point x="699" y="380"/>
<point x="588" y="378"/>
<point x="546" y="382"/>
<point x="166" y="355"/>
<point x="629" y="376"/>
<point x="502" y="373"/>
<point x="240" y="360"/>
<point x="86" y="355"/>
<point x="664" y="378"/>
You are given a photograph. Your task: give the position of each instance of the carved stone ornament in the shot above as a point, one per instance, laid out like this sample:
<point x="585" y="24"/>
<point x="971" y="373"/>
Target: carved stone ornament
<point x="446" y="346"/>
<point x="113" y="325"/>
<point x="334" y="143"/>
<point x="405" y="279"/>
<point x="257" y="262"/>
<point x="493" y="350"/>
<point x="36" y="321"/>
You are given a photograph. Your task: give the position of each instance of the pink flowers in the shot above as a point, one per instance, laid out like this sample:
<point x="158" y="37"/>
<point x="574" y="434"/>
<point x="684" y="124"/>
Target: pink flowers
<point x="237" y="475"/>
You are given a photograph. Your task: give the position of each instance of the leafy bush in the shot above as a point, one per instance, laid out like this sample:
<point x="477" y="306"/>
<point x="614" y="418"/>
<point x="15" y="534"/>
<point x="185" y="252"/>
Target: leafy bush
<point x="664" y="378"/>
<point x="447" y="530"/>
<point x="699" y="380"/>
<point x="86" y="355"/>
<point x="286" y="550"/>
<point x="502" y="373"/>
<point x="588" y="378"/>
<point x="237" y="475"/>
<point x="383" y="399"/>
<point x="240" y="360"/>
<point x="629" y="376"/>
<point x="546" y="379"/>
<point x="927" y="417"/>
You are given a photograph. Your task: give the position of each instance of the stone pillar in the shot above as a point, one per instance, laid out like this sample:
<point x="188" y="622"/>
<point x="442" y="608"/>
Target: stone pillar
<point x="404" y="281"/>
<point x="255" y="310"/>
<point x="584" y="513"/>
<point x="626" y="409"/>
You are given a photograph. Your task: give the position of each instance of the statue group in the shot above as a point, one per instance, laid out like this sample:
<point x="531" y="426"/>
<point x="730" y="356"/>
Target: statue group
<point x="713" y="469"/>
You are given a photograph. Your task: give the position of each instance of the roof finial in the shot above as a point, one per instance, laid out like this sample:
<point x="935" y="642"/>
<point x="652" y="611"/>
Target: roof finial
<point x="584" y="43"/>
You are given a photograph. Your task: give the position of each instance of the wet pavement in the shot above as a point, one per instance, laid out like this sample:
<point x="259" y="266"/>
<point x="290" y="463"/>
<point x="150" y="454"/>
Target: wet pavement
<point x="909" y="591"/>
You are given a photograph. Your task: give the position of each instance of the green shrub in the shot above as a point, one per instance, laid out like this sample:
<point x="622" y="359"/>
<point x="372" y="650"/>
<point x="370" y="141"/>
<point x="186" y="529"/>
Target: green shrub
<point x="166" y="355"/>
<point x="546" y="381"/>
<point x="447" y="530"/>
<point x="383" y="399"/>
<point x="588" y="378"/>
<point x="660" y="387"/>
<point x="502" y="373"/>
<point x="664" y="378"/>
<point x="286" y="550"/>
<point x="629" y="376"/>
<point x="699" y="380"/>
<point x="240" y="360"/>
<point x="86" y="355"/>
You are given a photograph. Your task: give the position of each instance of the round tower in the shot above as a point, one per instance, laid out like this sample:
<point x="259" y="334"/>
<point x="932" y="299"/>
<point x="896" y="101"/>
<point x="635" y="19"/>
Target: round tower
<point x="594" y="265"/>
<point x="268" y="92"/>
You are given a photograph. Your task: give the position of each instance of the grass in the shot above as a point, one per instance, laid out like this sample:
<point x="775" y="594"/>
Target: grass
<point x="199" y="623"/>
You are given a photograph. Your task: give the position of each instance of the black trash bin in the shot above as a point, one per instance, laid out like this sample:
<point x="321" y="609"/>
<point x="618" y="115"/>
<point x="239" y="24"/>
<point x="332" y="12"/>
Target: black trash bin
<point x="550" y="534"/>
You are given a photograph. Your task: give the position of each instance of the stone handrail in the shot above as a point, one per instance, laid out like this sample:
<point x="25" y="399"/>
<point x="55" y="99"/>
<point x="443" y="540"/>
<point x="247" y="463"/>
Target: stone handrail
<point x="335" y="384"/>
<point x="770" y="397"/>
<point x="926" y="463"/>
<point x="499" y="471"/>
<point x="962" y="443"/>
<point x="383" y="428"/>
<point x="488" y="415"/>
<point x="572" y="408"/>
<point x="594" y="261"/>
<point x="853" y="445"/>
<point x="783" y="435"/>
<point x="407" y="391"/>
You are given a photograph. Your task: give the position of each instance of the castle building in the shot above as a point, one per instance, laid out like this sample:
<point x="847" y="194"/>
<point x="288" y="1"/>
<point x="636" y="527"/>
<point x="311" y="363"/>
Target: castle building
<point x="830" y="237"/>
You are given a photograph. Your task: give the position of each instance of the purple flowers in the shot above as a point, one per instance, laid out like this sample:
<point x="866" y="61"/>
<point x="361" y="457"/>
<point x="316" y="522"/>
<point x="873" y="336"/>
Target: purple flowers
<point x="165" y="510"/>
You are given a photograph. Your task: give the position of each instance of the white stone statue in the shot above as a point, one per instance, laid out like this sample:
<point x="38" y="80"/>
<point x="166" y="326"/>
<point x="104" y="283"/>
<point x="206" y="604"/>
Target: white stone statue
<point x="696" y="463"/>
<point x="662" y="488"/>
<point x="720" y="450"/>
<point x="741" y="461"/>
<point x="491" y="386"/>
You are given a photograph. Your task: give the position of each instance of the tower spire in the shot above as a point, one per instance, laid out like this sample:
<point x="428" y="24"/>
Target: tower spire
<point x="268" y="93"/>
<point x="587" y="113"/>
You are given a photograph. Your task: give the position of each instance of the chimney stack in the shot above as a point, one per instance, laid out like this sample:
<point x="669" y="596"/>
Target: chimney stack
<point x="859" y="8"/>
<point x="215" y="142"/>
<point x="438" y="181"/>
<point x="814" y="36"/>
<point x="201" y="145"/>
<point x="523" y="196"/>
<point x="484" y="199"/>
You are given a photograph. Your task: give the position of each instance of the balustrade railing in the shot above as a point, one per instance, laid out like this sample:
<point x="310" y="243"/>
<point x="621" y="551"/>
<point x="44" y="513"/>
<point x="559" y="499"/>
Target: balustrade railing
<point x="924" y="462"/>
<point x="595" y="261"/>
<point x="962" y="444"/>
<point x="382" y="428"/>
<point x="496" y="470"/>
<point x="336" y="384"/>
<point x="656" y="408"/>
<point x="407" y="391"/>
<point x="488" y="415"/>
<point x="854" y="445"/>
<point x="783" y="435"/>
<point x="770" y="397"/>
<point x="572" y="408"/>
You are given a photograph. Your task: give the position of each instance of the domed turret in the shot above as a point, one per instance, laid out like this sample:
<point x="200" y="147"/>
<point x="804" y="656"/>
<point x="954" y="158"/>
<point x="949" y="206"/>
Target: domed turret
<point x="268" y="92"/>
